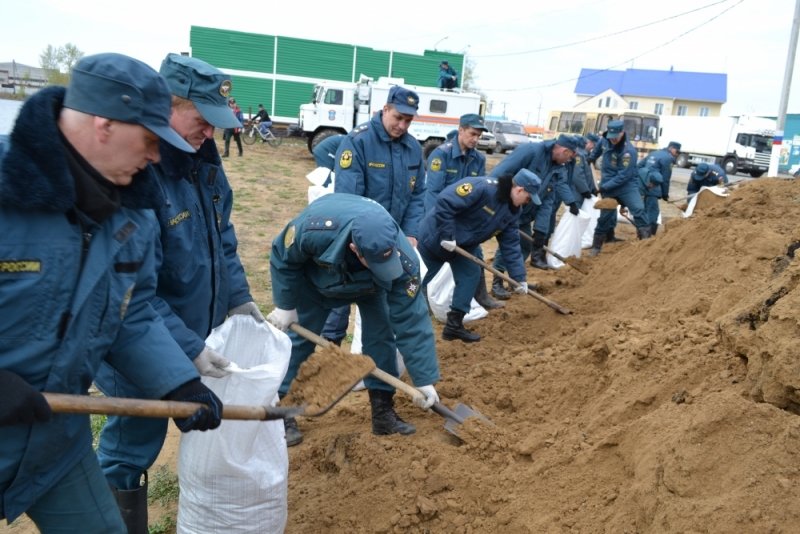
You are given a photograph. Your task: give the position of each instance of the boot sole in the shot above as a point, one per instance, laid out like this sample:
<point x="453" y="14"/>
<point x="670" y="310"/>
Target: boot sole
<point x="454" y="338"/>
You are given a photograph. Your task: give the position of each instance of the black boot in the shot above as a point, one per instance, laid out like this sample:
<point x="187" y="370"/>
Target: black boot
<point x="483" y="297"/>
<point x="538" y="258"/>
<point x="597" y="245"/>
<point x="611" y="238"/>
<point x="498" y="290"/>
<point x="133" y="507"/>
<point x="293" y="434"/>
<point x="454" y="328"/>
<point x="653" y="229"/>
<point x="385" y="420"/>
<point x="644" y="232"/>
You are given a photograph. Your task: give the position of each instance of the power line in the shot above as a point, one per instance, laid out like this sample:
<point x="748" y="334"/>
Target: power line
<point x="620" y="32"/>
<point x="598" y="71"/>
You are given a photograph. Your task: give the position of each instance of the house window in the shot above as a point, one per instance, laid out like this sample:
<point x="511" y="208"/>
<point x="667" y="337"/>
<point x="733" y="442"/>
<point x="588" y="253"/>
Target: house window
<point x="683" y="111"/>
<point x="703" y="111"/>
<point x="600" y="103"/>
<point x="633" y="105"/>
<point x="659" y="109"/>
<point x="608" y="101"/>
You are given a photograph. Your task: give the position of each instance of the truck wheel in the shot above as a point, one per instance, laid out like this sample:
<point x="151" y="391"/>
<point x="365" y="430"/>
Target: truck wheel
<point x="682" y="161"/>
<point x="729" y="166"/>
<point x="756" y="174"/>
<point x="429" y="146"/>
<point x="319" y="137"/>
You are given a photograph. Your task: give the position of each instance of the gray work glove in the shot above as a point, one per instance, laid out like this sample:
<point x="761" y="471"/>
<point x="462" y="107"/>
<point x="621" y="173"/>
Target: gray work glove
<point x="431" y="397"/>
<point x="522" y="288"/>
<point x="248" y="308"/>
<point x="282" y="319"/>
<point x="449" y="246"/>
<point x="211" y="363"/>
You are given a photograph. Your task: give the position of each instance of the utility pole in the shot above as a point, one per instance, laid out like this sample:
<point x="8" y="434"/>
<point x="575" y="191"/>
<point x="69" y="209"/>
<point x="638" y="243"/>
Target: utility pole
<point x="784" y="103"/>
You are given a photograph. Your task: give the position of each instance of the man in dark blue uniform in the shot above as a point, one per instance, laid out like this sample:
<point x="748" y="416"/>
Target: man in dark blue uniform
<point x="466" y="214"/>
<point x="346" y="249"/>
<point x="706" y="175"/>
<point x="452" y="161"/>
<point x="618" y="180"/>
<point x="200" y="277"/>
<point x="448" y="77"/>
<point x="325" y="153"/>
<point x="655" y="172"/>
<point x="548" y="160"/>
<point x="382" y="161"/>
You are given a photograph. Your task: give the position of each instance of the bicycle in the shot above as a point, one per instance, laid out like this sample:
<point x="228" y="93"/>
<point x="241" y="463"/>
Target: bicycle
<point x="251" y="133"/>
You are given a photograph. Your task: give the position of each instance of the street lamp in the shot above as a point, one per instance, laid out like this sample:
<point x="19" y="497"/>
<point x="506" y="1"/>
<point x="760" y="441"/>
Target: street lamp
<point x="439" y="41"/>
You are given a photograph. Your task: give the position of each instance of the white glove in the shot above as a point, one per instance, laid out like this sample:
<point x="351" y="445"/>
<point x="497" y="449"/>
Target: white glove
<point x="211" y="363"/>
<point x="522" y="288"/>
<point x="450" y="246"/>
<point x="431" y="397"/>
<point x="281" y="319"/>
<point x="248" y="308"/>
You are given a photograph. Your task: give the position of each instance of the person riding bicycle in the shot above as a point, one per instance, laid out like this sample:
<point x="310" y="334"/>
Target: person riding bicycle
<point x="263" y="117"/>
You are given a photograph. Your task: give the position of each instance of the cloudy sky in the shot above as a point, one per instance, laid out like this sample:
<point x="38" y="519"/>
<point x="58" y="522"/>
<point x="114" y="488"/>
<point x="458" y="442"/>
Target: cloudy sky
<point x="527" y="56"/>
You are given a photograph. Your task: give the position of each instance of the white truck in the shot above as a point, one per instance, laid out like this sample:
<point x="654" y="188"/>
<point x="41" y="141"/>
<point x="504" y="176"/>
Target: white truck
<point x="741" y="144"/>
<point x="338" y="107"/>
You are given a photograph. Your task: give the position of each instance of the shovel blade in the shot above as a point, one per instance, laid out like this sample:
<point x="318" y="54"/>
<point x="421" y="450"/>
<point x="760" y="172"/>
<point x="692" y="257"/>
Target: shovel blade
<point x="454" y="418"/>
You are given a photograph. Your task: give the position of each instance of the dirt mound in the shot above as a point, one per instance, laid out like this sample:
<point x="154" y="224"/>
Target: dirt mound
<point x="664" y="404"/>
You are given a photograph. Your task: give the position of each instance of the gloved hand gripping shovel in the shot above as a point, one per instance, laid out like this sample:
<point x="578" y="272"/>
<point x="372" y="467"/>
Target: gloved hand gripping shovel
<point x="556" y="306"/>
<point x="453" y="418"/>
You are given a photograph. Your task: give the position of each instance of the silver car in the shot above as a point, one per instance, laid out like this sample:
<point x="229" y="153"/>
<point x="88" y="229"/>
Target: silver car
<point x="487" y="142"/>
<point x="509" y="134"/>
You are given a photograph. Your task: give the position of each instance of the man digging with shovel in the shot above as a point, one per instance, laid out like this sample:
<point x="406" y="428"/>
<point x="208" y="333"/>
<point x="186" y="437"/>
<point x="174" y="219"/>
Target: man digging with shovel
<point x="346" y="249"/>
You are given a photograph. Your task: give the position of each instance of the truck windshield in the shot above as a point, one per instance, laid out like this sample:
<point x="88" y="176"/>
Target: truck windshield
<point x="762" y="143"/>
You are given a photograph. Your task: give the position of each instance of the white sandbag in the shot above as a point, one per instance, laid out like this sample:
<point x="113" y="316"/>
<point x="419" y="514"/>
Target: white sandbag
<point x="440" y="296"/>
<point x="567" y="238"/>
<point x="588" y="207"/>
<point x="318" y="177"/>
<point x="356" y="347"/>
<point x="717" y="190"/>
<point x="235" y="479"/>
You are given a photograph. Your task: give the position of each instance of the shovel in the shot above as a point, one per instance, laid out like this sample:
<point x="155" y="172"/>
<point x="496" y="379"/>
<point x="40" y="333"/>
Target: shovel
<point x="453" y="418"/>
<point x="556" y="306"/>
<point x="64" y="403"/>
<point x="569" y="261"/>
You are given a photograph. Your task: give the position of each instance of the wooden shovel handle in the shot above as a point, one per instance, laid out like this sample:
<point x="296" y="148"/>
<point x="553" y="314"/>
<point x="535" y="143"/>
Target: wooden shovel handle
<point x="63" y="403"/>
<point x="557" y="307"/>
<point x="555" y="254"/>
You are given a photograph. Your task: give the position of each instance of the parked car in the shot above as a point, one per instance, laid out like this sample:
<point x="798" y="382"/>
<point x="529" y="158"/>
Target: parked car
<point x="536" y="137"/>
<point x="487" y="142"/>
<point x="509" y="134"/>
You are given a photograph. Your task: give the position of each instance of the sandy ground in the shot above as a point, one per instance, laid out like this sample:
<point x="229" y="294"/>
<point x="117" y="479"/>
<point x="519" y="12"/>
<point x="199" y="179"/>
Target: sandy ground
<point x="665" y="402"/>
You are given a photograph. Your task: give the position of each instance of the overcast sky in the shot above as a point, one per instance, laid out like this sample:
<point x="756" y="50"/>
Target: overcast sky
<point x="525" y="54"/>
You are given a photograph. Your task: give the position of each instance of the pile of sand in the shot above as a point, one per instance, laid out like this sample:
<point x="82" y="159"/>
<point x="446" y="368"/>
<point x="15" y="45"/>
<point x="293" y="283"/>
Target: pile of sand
<point x="666" y="403"/>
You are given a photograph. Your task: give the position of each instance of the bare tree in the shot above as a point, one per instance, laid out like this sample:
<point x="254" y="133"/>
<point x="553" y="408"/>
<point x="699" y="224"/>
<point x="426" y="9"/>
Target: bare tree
<point x="57" y="62"/>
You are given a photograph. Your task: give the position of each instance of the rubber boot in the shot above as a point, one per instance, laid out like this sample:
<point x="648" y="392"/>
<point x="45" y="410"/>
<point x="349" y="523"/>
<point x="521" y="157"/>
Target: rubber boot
<point x="644" y="232"/>
<point x="385" y="420"/>
<point x="597" y="244"/>
<point x="483" y="297"/>
<point x="133" y="507"/>
<point x="498" y="290"/>
<point x="611" y="238"/>
<point x="293" y="434"/>
<point x="454" y="328"/>
<point x="539" y="259"/>
<point x="653" y="229"/>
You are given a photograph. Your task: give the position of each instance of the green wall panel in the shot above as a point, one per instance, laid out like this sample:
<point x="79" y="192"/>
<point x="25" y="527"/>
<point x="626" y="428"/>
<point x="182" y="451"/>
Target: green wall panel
<point x="250" y="92"/>
<point x="371" y="62"/>
<point x="226" y="49"/>
<point x="289" y="96"/>
<point x="301" y="57"/>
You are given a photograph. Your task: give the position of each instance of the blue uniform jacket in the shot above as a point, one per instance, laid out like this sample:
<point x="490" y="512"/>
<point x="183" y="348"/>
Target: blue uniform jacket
<point x="655" y="172"/>
<point x="538" y="157"/>
<point x="314" y="250"/>
<point x="73" y="294"/>
<point x="469" y="213"/>
<point x="325" y="151"/>
<point x="391" y="172"/>
<point x="582" y="177"/>
<point x="716" y="173"/>
<point x="618" y="168"/>
<point x="446" y="165"/>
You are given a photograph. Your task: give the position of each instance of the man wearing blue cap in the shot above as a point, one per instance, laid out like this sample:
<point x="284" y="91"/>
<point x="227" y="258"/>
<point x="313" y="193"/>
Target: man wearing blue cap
<point x="78" y="264"/>
<point x="382" y="161"/>
<point x="548" y="160"/>
<point x="452" y="161"/>
<point x="200" y="280"/>
<point x="582" y="177"/>
<point x="706" y="175"/>
<point x="466" y="214"/>
<point x="618" y="180"/>
<point x="347" y="249"/>
<point x="655" y="172"/>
